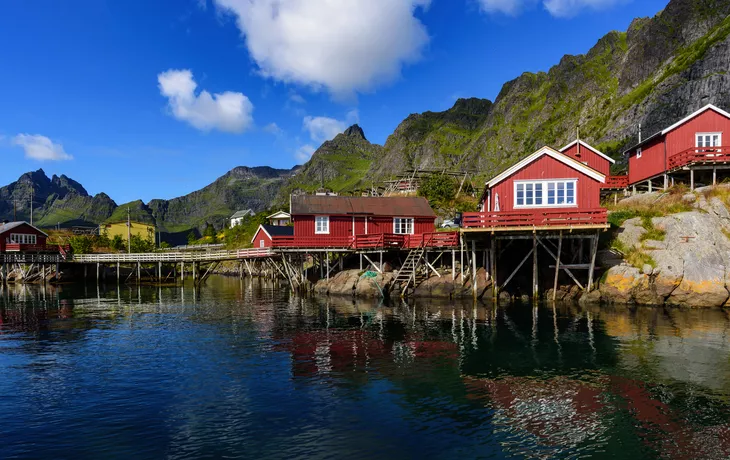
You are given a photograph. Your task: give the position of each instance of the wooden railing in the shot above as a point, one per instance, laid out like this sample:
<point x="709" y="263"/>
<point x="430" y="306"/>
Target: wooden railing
<point x="700" y="155"/>
<point x="536" y="218"/>
<point x="50" y="248"/>
<point x="376" y="241"/>
<point x="210" y="256"/>
<point x="616" y="182"/>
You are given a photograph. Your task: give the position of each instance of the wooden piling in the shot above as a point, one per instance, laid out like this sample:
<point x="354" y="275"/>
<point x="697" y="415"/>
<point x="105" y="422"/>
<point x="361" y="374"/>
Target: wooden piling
<point x="557" y="266"/>
<point x="535" y="284"/>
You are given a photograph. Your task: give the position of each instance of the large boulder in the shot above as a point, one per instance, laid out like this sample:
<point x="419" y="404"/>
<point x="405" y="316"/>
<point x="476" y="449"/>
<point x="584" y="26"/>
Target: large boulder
<point x="619" y="284"/>
<point x="373" y="288"/>
<point x="438" y="287"/>
<point x="344" y="283"/>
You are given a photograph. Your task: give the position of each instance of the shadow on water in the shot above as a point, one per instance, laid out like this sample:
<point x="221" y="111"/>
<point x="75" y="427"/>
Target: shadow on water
<point x="243" y="369"/>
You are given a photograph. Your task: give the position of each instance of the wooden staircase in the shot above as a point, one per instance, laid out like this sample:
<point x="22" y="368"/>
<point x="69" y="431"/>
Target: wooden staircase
<point x="408" y="275"/>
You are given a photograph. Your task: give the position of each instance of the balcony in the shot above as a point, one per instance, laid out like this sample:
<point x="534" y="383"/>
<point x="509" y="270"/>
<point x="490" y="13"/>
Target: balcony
<point x="45" y="248"/>
<point x="536" y="219"/>
<point x="616" y="183"/>
<point x="381" y="241"/>
<point x="700" y="155"/>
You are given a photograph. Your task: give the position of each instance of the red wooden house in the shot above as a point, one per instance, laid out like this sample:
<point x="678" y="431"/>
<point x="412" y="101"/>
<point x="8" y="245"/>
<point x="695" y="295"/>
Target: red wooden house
<point x="547" y="188"/>
<point x="588" y="155"/>
<point x="344" y="221"/>
<point x="692" y="144"/>
<point x="22" y="237"/>
<point x="265" y="234"/>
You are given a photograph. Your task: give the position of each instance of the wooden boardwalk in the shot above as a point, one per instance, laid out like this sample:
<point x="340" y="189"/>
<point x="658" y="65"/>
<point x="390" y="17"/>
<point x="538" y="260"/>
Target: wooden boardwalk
<point x="172" y="257"/>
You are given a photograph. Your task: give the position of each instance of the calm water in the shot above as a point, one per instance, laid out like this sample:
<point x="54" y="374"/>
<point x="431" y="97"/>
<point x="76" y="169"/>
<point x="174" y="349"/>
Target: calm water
<point x="247" y="371"/>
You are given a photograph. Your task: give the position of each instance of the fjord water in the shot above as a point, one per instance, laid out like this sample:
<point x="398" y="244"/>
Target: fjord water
<point x="246" y="370"/>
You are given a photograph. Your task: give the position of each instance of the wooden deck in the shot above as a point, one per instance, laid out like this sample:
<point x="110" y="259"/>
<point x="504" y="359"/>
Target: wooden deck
<point x="379" y="242"/>
<point x="535" y="220"/>
<point x="616" y="183"/>
<point x="700" y="155"/>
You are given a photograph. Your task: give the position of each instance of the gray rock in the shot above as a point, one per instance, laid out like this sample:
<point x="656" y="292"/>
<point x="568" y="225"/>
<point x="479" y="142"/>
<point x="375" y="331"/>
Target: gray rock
<point x="647" y="269"/>
<point x="630" y="233"/>
<point x="619" y="284"/>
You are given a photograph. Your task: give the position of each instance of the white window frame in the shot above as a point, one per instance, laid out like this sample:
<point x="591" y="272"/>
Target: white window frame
<point x="262" y="243"/>
<point x="325" y="230"/>
<point x="639" y="151"/>
<point x="544" y="193"/>
<point x="410" y="223"/>
<point x="23" y="238"/>
<point x="703" y="135"/>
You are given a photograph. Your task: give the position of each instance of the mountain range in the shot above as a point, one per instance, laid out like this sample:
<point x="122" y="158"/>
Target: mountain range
<point x="655" y="73"/>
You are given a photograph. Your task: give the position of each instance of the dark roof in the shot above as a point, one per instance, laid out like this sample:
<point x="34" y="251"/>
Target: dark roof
<point x="278" y="230"/>
<point x="11" y="225"/>
<point x="375" y="206"/>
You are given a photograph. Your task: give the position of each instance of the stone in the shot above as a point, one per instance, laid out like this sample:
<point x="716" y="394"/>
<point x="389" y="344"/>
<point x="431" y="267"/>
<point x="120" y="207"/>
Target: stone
<point x="373" y="288"/>
<point x="630" y="233"/>
<point x="619" y="284"/>
<point x="344" y="282"/>
<point x="590" y="298"/>
<point x="647" y="269"/>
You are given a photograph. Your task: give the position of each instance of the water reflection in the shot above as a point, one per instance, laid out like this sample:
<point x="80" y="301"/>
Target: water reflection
<point x="243" y="369"/>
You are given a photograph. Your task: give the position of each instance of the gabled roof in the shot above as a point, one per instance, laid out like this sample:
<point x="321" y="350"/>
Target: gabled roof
<point x="589" y="147"/>
<point x="247" y="212"/>
<point x="360" y="205"/>
<point x="678" y="124"/>
<point x="280" y="215"/>
<point x="273" y="230"/>
<point x="11" y="225"/>
<point x="577" y="165"/>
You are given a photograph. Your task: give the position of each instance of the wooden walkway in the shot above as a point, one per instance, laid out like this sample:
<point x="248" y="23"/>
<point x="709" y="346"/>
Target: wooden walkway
<point x="172" y="257"/>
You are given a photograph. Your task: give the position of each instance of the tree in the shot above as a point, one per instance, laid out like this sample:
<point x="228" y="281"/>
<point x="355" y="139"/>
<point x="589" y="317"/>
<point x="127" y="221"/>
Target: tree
<point x="209" y="232"/>
<point x="117" y="243"/>
<point x="191" y="237"/>
<point x="439" y="189"/>
<point x="81" y="244"/>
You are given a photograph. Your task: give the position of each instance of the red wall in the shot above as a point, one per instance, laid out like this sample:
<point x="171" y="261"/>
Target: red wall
<point x="650" y="164"/>
<point x="588" y="191"/>
<point x="26" y="229"/>
<point x="261" y="235"/>
<point x="683" y="137"/>
<point x="342" y="225"/>
<point x="589" y="157"/>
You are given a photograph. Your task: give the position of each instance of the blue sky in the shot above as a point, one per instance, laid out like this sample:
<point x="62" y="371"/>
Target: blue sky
<point x="146" y="100"/>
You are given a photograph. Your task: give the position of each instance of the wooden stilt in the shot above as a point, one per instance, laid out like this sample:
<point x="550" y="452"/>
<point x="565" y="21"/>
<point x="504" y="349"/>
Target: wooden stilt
<point x="535" y="285"/>
<point x="182" y="271"/>
<point x="453" y="265"/>
<point x="474" y="287"/>
<point x="666" y="181"/>
<point x="328" y="265"/>
<point x="649" y="182"/>
<point x="461" y="262"/>
<point x="360" y="261"/>
<point x="594" y="251"/>
<point x="691" y="179"/>
<point x="714" y="175"/>
<point x="159" y="272"/>
<point x="98" y="269"/>
<point x="139" y="272"/>
<point x="557" y="266"/>
<point x="493" y="267"/>
<point x="516" y="270"/>
<point x="118" y="267"/>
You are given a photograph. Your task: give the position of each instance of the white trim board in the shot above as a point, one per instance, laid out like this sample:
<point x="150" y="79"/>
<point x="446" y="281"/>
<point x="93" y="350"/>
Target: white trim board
<point x="578" y="166"/>
<point x="589" y="147"/>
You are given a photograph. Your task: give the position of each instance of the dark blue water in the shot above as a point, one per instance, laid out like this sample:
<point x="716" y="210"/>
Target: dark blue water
<point x="247" y="371"/>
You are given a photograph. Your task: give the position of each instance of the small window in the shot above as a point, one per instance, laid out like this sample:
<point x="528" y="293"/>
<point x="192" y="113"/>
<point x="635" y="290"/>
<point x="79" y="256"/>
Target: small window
<point x="403" y="226"/>
<point x="322" y="225"/>
<point x="638" y="152"/>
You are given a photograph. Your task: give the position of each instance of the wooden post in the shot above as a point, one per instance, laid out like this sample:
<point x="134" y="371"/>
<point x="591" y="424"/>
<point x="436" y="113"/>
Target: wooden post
<point x="159" y="272"/>
<point x="327" y="267"/>
<point x="98" y="267"/>
<point x="535" y="287"/>
<point x="182" y="271"/>
<point x="594" y="250"/>
<point x="118" y="266"/>
<point x="86" y="271"/>
<point x="380" y="268"/>
<point x="714" y="175"/>
<point x="474" y="287"/>
<point x="666" y="181"/>
<point x="453" y="265"/>
<point x="139" y="271"/>
<point x="461" y="262"/>
<point x="361" y="261"/>
<point x="493" y="267"/>
<point x="557" y="266"/>
<point x="649" y="181"/>
<point x="691" y="179"/>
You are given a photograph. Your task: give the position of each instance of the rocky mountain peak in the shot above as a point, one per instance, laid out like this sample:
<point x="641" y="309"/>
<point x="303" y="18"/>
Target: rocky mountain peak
<point x="355" y="131"/>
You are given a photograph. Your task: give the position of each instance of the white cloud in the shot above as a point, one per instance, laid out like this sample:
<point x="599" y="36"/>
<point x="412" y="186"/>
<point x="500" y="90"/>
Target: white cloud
<point x="569" y="8"/>
<point x="508" y="7"/>
<point x="273" y="128"/>
<point x="323" y="128"/>
<point x="41" y="148"/>
<point x="344" y="46"/>
<point x="296" y="98"/>
<point x="304" y="153"/>
<point x="229" y="111"/>
<point x="557" y="8"/>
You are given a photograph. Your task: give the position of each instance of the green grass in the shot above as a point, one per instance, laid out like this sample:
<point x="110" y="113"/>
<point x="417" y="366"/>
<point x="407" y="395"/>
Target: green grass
<point x="634" y="256"/>
<point x="652" y="232"/>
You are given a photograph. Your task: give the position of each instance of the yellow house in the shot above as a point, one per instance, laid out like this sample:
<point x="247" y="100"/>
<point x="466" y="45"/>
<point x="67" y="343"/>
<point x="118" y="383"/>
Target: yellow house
<point x="144" y="231"/>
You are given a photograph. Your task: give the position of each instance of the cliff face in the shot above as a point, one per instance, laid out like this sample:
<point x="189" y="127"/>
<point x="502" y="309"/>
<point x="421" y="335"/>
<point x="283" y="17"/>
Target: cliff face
<point x="654" y="74"/>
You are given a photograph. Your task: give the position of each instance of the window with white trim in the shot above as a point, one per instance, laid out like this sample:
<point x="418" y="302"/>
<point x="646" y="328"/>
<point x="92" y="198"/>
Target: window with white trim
<point x="545" y="193"/>
<point x="322" y="225"/>
<point x="638" y="152"/>
<point x="708" y="140"/>
<point x="403" y="225"/>
<point x="262" y="243"/>
<point x="22" y="238"/>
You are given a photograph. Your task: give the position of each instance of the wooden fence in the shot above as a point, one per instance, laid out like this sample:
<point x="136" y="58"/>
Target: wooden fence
<point x="699" y="155"/>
